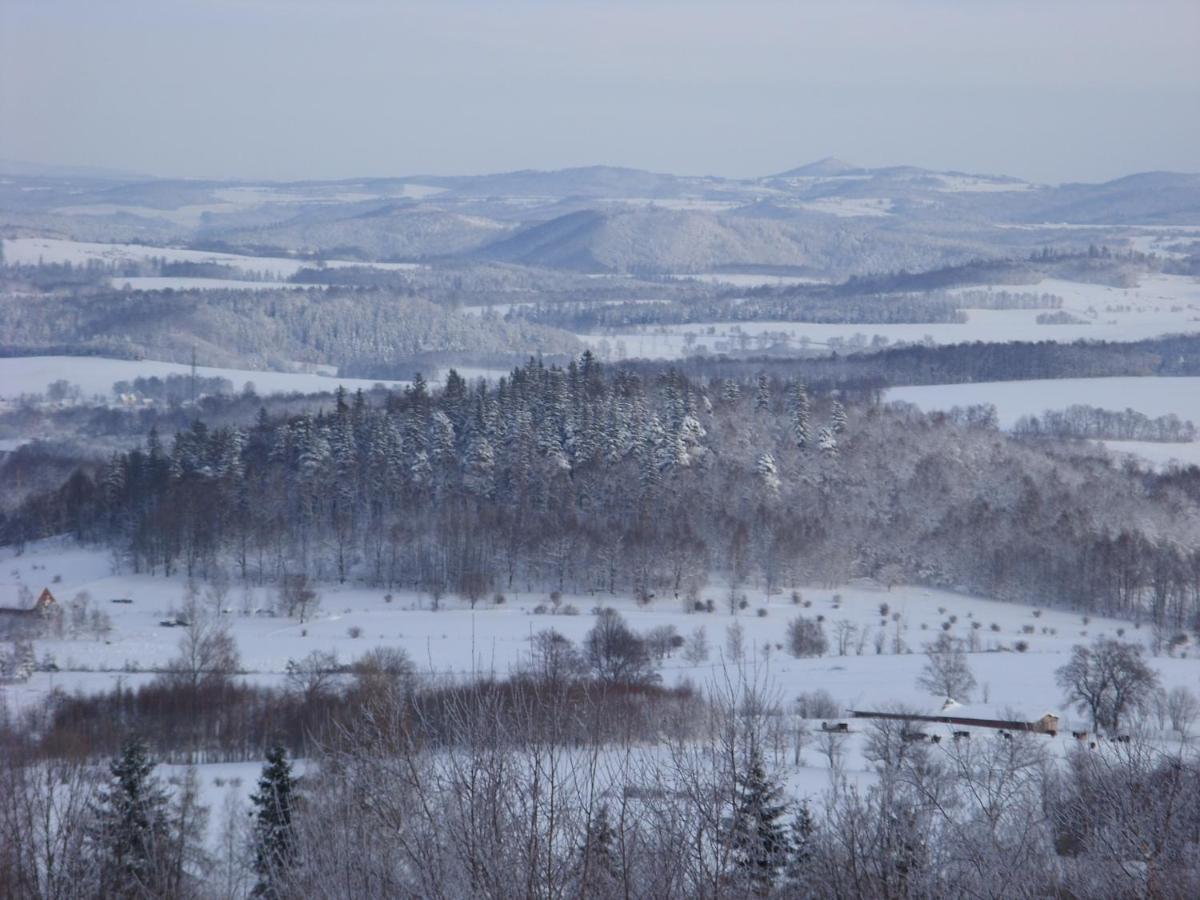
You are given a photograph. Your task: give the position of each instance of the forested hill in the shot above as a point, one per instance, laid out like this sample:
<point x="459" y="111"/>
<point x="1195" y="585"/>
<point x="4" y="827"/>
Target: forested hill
<point x="346" y="327"/>
<point x="587" y="479"/>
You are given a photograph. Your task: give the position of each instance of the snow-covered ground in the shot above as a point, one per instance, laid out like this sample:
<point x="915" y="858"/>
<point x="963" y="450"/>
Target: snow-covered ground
<point x="96" y="375"/>
<point x="163" y="283"/>
<point x="458" y="640"/>
<point x="850" y="207"/>
<point x="29" y="251"/>
<point x="1161" y="304"/>
<point x="1160" y="455"/>
<point x="748" y="280"/>
<point x="1151" y="396"/>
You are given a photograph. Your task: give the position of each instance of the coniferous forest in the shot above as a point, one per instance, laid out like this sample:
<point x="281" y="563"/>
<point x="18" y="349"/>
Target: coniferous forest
<point x="596" y="479"/>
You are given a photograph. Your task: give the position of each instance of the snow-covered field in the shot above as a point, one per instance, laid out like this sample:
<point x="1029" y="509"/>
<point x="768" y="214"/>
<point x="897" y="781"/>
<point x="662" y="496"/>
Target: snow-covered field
<point x="748" y="280"/>
<point x="1152" y="396"/>
<point x="96" y="375"/>
<point x="29" y="251"/>
<point x="1161" y="304"/>
<point x="1160" y="455"/>
<point x="163" y="283"/>
<point x="850" y="207"/>
<point x="457" y="640"/>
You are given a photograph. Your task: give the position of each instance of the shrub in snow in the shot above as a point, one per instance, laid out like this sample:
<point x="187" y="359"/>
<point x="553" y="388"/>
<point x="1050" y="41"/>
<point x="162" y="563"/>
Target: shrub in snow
<point x="354" y="631"/>
<point x="806" y="637"/>
<point x="1021" y="646"/>
<point x="540" y="609"/>
<point x="818" y="704"/>
<point x="762" y="612"/>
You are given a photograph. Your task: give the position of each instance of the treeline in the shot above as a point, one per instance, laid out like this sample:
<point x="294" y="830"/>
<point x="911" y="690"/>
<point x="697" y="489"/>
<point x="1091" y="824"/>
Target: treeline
<point x="174" y="389"/>
<point x="827" y="304"/>
<point x="871" y="371"/>
<point x="598" y="481"/>
<point x="1094" y="423"/>
<point x="822" y="308"/>
<point x="1099" y="265"/>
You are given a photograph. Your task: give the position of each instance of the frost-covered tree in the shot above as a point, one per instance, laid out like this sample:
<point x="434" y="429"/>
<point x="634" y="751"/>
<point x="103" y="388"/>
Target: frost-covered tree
<point x="768" y="473"/>
<point x="947" y="672"/>
<point x="759" y="834"/>
<point x="801" y="411"/>
<point x="762" y="392"/>
<point x="806" y="637"/>
<point x="826" y="442"/>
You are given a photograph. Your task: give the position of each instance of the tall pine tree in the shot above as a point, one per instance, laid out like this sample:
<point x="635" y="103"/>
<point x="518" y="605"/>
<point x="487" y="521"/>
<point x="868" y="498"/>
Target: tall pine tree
<point x="760" y="838"/>
<point x="131" y="829"/>
<point x="274" y="834"/>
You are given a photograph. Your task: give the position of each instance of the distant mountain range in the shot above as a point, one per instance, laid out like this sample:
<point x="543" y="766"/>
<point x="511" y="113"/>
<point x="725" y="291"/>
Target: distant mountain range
<point x="828" y="217"/>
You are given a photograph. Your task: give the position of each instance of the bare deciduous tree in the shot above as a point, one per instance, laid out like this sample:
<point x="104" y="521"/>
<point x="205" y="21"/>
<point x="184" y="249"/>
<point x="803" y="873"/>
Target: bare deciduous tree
<point x="1107" y="680"/>
<point x="947" y="672"/>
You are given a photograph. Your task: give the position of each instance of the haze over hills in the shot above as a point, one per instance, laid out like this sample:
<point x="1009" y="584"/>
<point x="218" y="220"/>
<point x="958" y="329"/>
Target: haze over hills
<point x="830" y="217"/>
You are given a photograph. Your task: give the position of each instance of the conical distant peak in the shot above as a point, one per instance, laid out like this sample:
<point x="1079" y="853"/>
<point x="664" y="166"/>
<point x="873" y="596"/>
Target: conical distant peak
<point x="830" y="165"/>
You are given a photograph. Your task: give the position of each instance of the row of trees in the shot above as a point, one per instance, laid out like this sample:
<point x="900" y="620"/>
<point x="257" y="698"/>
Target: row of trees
<point x="1094" y="423"/>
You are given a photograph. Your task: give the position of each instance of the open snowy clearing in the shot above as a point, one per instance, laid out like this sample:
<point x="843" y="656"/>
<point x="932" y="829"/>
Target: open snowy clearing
<point x="850" y="207"/>
<point x="166" y="283"/>
<point x="456" y="640"/>
<point x="29" y="251"/>
<point x="95" y="375"/>
<point x="1151" y="396"/>
<point x="1160" y="455"/>
<point x="748" y="280"/>
<point x="1161" y="304"/>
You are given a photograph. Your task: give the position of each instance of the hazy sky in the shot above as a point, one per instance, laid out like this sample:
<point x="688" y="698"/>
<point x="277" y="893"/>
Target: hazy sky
<point x="1049" y="90"/>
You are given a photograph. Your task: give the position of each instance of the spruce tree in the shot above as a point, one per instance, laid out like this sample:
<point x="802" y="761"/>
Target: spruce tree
<point x="760" y="839"/>
<point x="762" y="393"/>
<point x="274" y="834"/>
<point x="801" y="849"/>
<point x="131" y="831"/>
<point x="837" y="417"/>
<point x="800" y="415"/>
